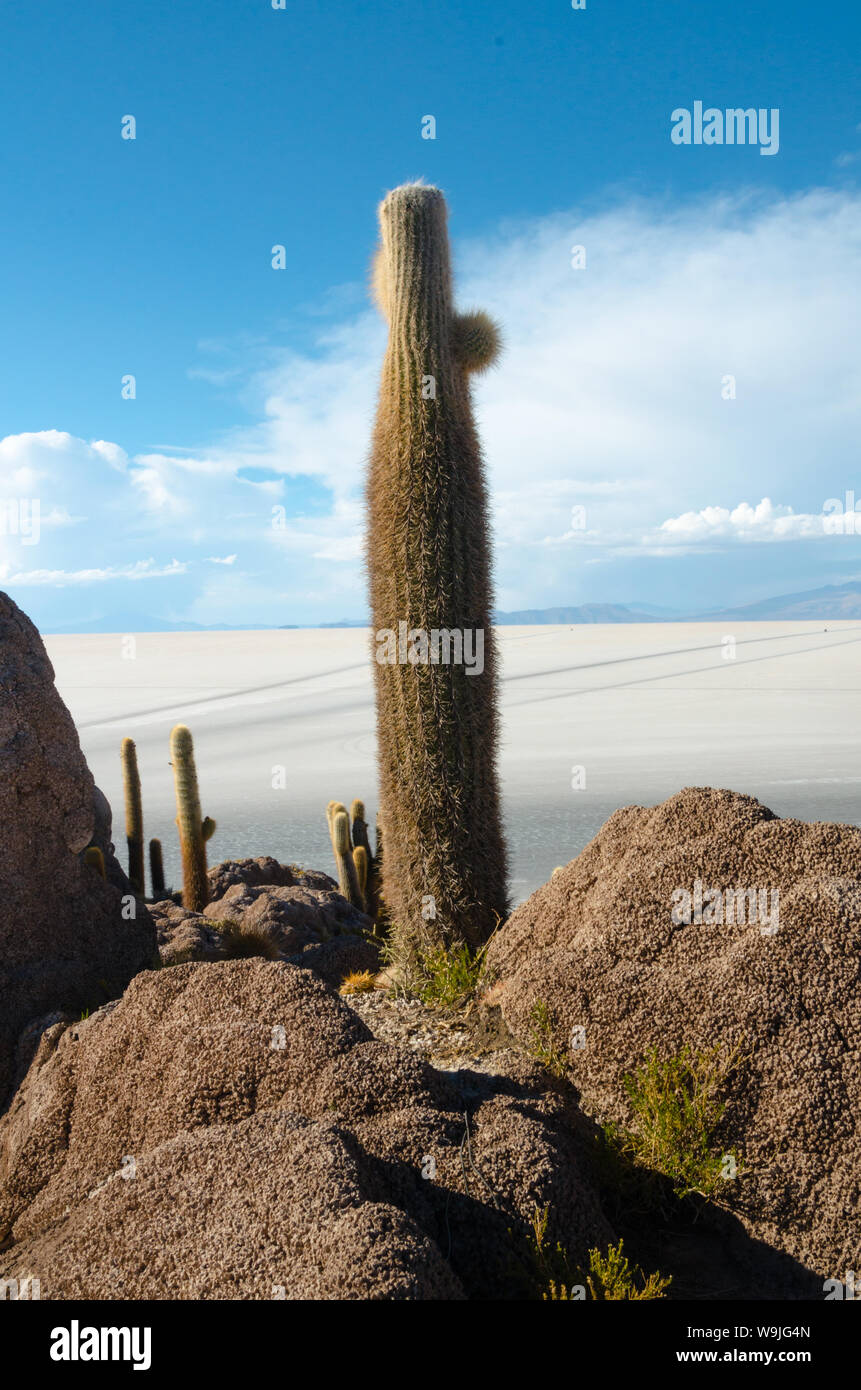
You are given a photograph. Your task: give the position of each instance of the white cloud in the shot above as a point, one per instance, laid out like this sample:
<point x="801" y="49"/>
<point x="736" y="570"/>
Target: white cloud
<point x="221" y="559"/>
<point x="609" y="397"/>
<point x="141" y="569"/>
<point x="764" y="522"/>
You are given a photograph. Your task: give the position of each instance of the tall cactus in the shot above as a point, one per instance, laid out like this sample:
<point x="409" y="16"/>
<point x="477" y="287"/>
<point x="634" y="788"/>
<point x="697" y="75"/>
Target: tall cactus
<point x="156" y="869"/>
<point x="134" y="814"/>
<point x="194" y="831"/>
<point x="430" y="569"/>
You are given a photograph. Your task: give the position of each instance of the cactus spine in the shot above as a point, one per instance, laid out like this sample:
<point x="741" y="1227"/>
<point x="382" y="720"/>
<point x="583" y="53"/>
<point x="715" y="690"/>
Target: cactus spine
<point x="429" y="565"/>
<point x="156" y="870"/>
<point x="134" y="814"/>
<point x="193" y="830"/>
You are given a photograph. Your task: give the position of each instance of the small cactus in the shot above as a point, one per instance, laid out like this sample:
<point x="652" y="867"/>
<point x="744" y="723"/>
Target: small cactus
<point x="360" y="826"/>
<point x="134" y="814"/>
<point x="156" y="869"/>
<point x="332" y="810"/>
<point x="96" y="860"/>
<point x="348" y="879"/>
<point x="193" y="830"/>
<point x="373" y="896"/>
<point x="361" y="860"/>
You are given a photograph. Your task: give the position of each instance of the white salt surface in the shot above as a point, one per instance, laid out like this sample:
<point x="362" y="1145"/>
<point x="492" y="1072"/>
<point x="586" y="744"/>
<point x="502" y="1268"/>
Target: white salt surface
<point x="644" y="709"/>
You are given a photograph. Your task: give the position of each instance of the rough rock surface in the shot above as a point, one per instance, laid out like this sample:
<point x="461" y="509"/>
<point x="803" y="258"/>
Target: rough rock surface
<point x="233" y="1131"/>
<point x="599" y="947"/>
<point x="312" y="927"/>
<point x="264" y="870"/>
<point x="102" y="837"/>
<point x="184" y="936"/>
<point x="64" y="942"/>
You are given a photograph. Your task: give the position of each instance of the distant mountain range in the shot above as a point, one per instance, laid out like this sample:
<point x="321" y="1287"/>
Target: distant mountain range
<point x="816" y="605"/>
<point x="834" y="601"/>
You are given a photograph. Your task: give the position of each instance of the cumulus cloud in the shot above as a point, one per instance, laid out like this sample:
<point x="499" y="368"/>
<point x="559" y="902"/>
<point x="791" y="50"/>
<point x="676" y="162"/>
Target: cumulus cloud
<point x="707" y="352"/>
<point x="764" y="522"/>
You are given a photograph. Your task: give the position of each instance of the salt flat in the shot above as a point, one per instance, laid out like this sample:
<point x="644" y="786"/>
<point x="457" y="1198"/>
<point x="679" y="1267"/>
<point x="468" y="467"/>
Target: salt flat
<point x="643" y="709"/>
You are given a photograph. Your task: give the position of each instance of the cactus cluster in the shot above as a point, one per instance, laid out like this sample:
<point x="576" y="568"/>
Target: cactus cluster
<point x="357" y="865"/>
<point x="444" y="878"/>
<point x="194" y="830"/>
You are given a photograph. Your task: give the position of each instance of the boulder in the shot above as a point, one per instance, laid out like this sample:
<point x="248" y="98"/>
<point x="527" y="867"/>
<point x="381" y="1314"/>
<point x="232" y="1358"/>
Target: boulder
<point x="312" y="927"/>
<point x="68" y="938"/>
<point x="296" y="913"/>
<point x="183" y="935"/>
<point x="233" y="1131"/>
<point x="605" y="946"/>
<point x="266" y="871"/>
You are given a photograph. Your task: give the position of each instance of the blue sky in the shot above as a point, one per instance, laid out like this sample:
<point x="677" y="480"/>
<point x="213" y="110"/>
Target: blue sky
<point x="255" y="387"/>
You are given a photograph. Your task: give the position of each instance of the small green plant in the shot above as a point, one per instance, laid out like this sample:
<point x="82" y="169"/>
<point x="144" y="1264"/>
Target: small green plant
<point x="449" y="976"/>
<point x="608" y="1277"/>
<point x="677" y="1106"/>
<point x="611" y="1276"/>
<point x="542" y="1044"/>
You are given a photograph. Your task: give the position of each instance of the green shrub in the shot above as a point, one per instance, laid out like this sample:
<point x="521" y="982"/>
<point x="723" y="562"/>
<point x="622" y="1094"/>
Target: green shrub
<point x="542" y="1045"/>
<point x="677" y="1107"/>
<point x="608" y="1277"/>
<point x="450" y="976"/>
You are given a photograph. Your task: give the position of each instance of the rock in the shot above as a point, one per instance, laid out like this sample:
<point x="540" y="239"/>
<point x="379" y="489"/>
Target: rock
<point x="315" y="928"/>
<point x="182" y="935"/>
<point x="598" y="946"/>
<point x="312" y="927"/>
<point x="103" y="838"/>
<point x="266" y="871"/>
<point x="233" y="1131"/>
<point x="298" y="913"/>
<point x="64" y="942"/>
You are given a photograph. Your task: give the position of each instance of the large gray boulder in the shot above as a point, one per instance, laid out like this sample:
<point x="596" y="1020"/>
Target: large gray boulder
<point x="69" y="939"/>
